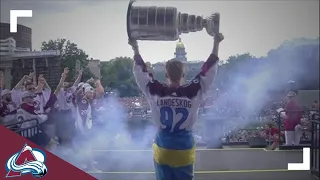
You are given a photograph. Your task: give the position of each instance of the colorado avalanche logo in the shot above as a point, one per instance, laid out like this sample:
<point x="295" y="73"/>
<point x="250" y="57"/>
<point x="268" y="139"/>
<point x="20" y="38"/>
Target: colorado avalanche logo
<point x="27" y="161"/>
<point x="36" y="105"/>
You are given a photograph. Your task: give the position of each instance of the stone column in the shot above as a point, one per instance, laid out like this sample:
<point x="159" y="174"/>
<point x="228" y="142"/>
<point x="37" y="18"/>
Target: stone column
<point x="8" y="77"/>
<point x="35" y="82"/>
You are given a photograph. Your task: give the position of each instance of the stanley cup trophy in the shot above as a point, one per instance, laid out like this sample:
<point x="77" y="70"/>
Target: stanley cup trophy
<point x="160" y="23"/>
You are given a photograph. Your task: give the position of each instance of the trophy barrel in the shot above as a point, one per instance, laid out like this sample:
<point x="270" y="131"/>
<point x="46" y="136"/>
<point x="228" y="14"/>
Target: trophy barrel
<point x="160" y="23"/>
<point x="191" y="23"/>
<point x="128" y="18"/>
<point x="152" y="23"/>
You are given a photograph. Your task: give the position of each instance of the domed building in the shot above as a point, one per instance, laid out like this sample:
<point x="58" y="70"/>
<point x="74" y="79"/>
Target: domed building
<point x="180" y="55"/>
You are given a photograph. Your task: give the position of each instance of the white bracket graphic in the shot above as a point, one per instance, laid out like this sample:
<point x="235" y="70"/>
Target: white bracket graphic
<point x="14" y="14"/>
<point x="305" y="165"/>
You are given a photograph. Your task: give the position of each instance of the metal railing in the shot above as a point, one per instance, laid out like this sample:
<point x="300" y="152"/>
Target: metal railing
<point x="28" y="132"/>
<point x="314" y="154"/>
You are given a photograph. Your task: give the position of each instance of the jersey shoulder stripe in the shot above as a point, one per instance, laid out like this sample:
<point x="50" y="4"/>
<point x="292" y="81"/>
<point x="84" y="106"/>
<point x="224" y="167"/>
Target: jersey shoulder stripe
<point x="189" y="90"/>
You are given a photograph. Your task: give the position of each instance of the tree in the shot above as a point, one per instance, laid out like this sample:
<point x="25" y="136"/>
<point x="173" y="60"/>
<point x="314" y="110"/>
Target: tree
<point x="232" y="68"/>
<point x="117" y="76"/>
<point x="149" y="66"/>
<point x="296" y="60"/>
<point x="70" y="54"/>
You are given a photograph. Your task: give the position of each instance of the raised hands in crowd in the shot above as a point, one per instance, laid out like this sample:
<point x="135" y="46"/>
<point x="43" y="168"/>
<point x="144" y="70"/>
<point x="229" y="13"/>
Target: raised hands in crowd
<point x="71" y="100"/>
<point x="32" y="97"/>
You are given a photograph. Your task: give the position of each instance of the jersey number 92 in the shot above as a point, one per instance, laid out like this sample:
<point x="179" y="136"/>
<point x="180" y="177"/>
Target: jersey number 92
<point x="167" y="116"/>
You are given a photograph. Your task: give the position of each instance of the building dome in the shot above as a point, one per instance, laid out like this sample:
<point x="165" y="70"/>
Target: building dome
<point x="179" y="45"/>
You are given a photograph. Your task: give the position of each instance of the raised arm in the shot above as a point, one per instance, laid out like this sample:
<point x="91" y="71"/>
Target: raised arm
<point x="210" y="67"/>
<point x="77" y="81"/>
<point x="43" y="80"/>
<point x="140" y="71"/>
<point x="23" y="79"/>
<point x="62" y="79"/>
<point x="99" y="88"/>
<point x="43" y="88"/>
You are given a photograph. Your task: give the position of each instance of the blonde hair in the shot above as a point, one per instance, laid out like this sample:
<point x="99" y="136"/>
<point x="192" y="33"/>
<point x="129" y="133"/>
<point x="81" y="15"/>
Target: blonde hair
<point x="175" y="70"/>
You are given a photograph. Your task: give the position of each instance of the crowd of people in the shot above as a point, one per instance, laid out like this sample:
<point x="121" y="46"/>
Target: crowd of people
<point x="68" y="110"/>
<point x="132" y="102"/>
<point x="46" y="117"/>
<point x="231" y="108"/>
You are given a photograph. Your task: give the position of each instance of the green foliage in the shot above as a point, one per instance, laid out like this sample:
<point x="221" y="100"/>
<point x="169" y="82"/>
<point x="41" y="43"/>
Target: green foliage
<point x="161" y="76"/>
<point x="70" y="54"/>
<point x="87" y="74"/>
<point x="117" y="76"/>
<point x="296" y="60"/>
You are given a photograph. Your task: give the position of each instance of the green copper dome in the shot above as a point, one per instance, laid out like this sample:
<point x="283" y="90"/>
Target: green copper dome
<point x="180" y="45"/>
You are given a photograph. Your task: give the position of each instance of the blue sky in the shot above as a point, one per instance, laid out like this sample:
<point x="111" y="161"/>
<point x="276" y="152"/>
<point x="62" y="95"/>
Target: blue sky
<point x="99" y="26"/>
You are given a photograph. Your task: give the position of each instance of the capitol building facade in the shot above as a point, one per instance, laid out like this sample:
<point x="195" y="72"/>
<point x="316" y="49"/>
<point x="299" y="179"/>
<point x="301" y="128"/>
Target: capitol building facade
<point x="180" y="55"/>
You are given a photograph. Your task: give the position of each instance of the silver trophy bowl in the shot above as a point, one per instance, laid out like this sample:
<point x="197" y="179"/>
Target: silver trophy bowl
<point x="160" y="23"/>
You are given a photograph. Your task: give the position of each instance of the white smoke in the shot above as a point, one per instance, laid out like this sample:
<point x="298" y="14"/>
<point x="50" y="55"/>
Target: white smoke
<point x="253" y="81"/>
<point x="117" y="145"/>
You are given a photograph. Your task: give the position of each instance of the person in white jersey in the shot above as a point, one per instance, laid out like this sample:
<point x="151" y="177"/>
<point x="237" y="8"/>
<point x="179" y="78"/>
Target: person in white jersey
<point x="27" y="114"/>
<point x="42" y="91"/>
<point x="27" y="111"/>
<point x="65" y="121"/>
<point x="84" y="120"/>
<point x="175" y="109"/>
<point x="8" y="109"/>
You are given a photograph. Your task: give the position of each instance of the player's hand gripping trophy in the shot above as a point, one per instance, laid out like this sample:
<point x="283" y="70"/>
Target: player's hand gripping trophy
<point x="212" y="27"/>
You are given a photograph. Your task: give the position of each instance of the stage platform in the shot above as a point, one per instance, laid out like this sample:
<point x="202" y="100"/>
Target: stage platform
<point x="211" y="164"/>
